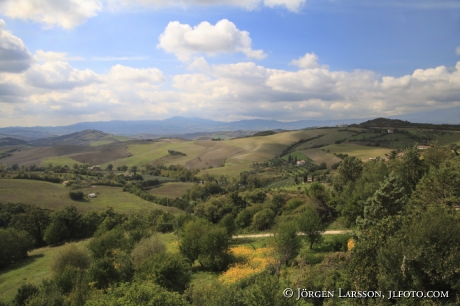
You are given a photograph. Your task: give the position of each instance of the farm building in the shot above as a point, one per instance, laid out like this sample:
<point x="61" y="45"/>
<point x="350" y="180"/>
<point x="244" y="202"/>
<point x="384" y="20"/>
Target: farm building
<point x="300" y="162"/>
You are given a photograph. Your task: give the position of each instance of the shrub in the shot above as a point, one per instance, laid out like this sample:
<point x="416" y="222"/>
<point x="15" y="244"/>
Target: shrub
<point x="71" y="256"/>
<point x="146" y="248"/>
<point x="171" y="271"/>
<point x="76" y="195"/>
<point x="25" y="292"/>
<point x="293" y="204"/>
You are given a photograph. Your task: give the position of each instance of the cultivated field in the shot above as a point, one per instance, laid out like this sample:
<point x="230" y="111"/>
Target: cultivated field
<point x="362" y="152"/>
<point x="58" y="161"/>
<point x="171" y="190"/>
<point x="56" y="196"/>
<point x="318" y="156"/>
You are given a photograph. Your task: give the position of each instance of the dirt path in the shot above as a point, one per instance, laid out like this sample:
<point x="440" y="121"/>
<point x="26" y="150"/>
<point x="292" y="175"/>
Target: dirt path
<point x="271" y="234"/>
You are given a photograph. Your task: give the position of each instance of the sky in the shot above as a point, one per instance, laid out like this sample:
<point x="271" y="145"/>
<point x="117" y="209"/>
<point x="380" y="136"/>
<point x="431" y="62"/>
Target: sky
<point x="68" y="61"/>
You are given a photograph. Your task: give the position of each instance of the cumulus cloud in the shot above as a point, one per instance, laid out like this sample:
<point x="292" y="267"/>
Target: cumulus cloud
<point x="63" y="13"/>
<point x="14" y="55"/>
<point x="59" y="76"/>
<point x="308" y="61"/>
<point x="224" y="37"/>
<point x="124" y="73"/>
<point x="53" y="91"/>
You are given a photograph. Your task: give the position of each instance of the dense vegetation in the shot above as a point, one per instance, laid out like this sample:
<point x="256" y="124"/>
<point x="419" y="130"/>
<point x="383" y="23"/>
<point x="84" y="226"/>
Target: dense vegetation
<point x="401" y="210"/>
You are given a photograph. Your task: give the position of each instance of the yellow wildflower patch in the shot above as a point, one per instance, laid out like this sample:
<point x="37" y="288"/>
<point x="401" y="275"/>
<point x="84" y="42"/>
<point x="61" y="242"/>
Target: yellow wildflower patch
<point x="250" y="262"/>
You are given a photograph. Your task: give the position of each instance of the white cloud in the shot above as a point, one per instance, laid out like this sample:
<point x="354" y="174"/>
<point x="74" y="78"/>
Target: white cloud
<point x="51" y="91"/>
<point x="224" y="37"/>
<point x="308" y="61"/>
<point x="63" y="13"/>
<point x="292" y="5"/>
<point x="14" y="55"/>
<point x="59" y="76"/>
<point x="121" y="4"/>
<point x="124" y="73"/>
<point x="50" y="56"/>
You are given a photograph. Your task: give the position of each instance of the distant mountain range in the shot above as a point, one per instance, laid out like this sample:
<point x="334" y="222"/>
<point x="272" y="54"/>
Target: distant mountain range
<point x="179" y="126"/>
<point x="170" y="127"/>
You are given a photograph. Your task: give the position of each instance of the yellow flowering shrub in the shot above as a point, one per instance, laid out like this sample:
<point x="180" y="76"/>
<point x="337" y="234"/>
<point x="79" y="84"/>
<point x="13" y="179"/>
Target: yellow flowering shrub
<point x="350" y="244"/>
<point x="249" y="262"/>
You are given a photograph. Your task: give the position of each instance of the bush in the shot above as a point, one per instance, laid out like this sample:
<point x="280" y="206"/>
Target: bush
<point x="105" y="244"/>
<point x="145" y="293"/>
<point x="24" y="293"/>
<point x="76" y="195"/>
<point x="71" y="256"/>
<point x="146" y="248"/>
<point x="293" y="204"/>
<point x="263" y="219"/>
<point x="171" y="271"/>
<point x="339" y="242"/>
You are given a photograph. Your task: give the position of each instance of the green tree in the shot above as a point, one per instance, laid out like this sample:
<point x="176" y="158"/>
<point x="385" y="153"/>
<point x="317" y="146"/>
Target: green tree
<point x="14" y="246"/>
<point x="389" y="200"/>
<point x="350" y="170"/>
<point x="205" y="242"/>
<point x="263" y="219"/>
<point x="171" y="271"/>
<point x="65" y="225"/>
<point x="277" y="201"/>
<point x="286" y="242"/>
<point x="426" y="251"/>
<point x="109" y="167"/>
<point x="228" y="222"/>
<point x="410" y="168"/>
<point x="34" y="221"/>
<point x="439" y="187"/>
<point x="310" y="224"/>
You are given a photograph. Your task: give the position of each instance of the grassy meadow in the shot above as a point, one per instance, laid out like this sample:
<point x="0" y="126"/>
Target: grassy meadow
<point x="32" y="270"/>
<point x="362" y="152"/>
<point x="171" y="190"/>
<point x="56" y="196"/>
<point x="59" y="161"/>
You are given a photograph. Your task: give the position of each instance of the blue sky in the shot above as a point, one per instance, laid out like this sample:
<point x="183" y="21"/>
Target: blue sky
<point x="64" y="61"/>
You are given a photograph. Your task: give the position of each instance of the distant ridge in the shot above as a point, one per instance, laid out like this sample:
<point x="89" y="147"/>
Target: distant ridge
<point x="396" y="123"/>
<point x="448" y="118"/>
<point x="172" y="126"/>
